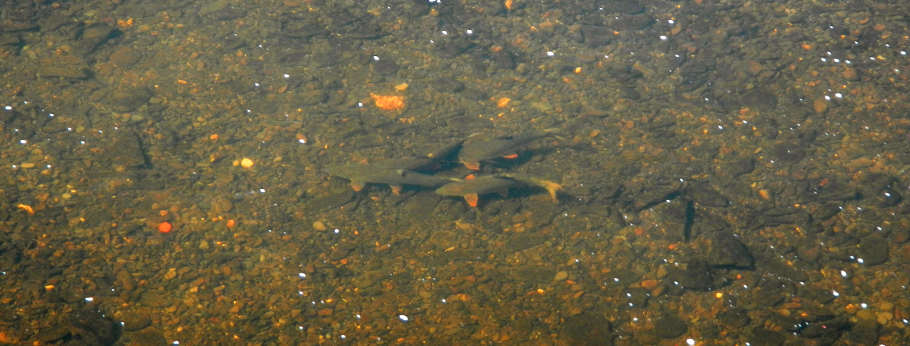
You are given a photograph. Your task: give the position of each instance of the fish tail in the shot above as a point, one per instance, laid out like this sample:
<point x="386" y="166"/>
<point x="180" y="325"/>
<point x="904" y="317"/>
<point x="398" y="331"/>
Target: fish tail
<point x="552" y="187"/>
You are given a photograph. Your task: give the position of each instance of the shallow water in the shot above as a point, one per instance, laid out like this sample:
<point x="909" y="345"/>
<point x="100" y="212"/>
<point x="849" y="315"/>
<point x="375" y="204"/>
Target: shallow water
<point x="732" y="172"/>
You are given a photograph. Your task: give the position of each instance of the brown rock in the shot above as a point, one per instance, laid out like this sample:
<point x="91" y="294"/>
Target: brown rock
<point x="850" y="74"/>
<point x="124" y="57"/>
<point x="820" y="105"/>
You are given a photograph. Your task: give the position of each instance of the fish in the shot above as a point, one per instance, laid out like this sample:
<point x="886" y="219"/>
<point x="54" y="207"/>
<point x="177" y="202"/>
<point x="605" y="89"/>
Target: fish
<point x="362" y="174"/>
<point x="398" y="172"/>
<point x="429" y="162"/>
<point x="472" y="188"/>
<point x="479" y="148"/>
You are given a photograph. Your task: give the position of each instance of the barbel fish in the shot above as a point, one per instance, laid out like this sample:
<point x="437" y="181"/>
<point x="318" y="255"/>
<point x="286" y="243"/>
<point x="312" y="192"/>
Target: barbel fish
<point x="398" y="172"/>
<point x="361" y="174"/>
<point x="479" y="148"/>
<point x="471" y="189"/>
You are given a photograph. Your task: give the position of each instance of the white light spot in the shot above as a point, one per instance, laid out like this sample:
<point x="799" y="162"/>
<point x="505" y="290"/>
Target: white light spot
<point x="835" y="293"/>
<point x="550" y="53"/>
<point x="403" y="318"/>
<point x="302" y="276"/>
<point x="690" y="341"/>
<point x="663" y="37"/>
<point x="89" y="299"/>
<point x="286" y="76"/>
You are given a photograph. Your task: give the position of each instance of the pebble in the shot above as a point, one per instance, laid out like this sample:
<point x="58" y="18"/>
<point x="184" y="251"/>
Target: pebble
<point x="820" y="105"/>
<point x="560" y="276"/>
<point x="874" y="249"/>
<point x="883" y="317"/>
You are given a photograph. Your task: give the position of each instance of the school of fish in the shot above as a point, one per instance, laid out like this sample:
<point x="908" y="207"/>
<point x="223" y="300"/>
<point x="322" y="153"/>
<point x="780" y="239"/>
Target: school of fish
<point x="476" y="150"/>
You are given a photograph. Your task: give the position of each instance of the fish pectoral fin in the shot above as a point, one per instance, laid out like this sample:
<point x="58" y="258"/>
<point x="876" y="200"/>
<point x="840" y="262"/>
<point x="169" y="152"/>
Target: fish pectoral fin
<point x="472" y="199"/>
<point x="396" y="189"/>
<point x="511" y="156"/>
<point x="474" y="166"/>
<point x="357" y="185"/>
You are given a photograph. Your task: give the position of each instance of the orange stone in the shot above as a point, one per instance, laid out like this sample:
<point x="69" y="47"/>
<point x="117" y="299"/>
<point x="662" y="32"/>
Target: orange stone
<point x="388" y="102"/>
<point x="649" y="284"/>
